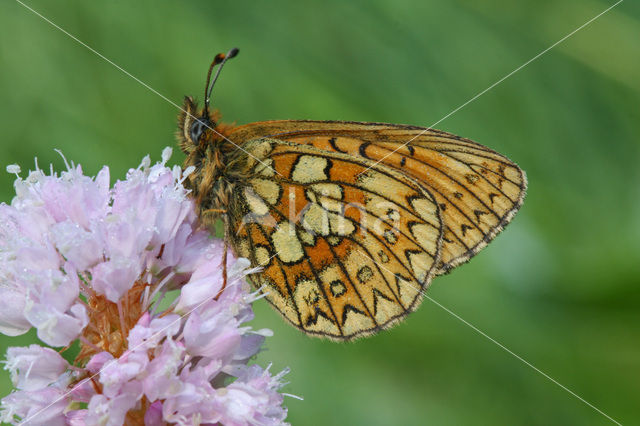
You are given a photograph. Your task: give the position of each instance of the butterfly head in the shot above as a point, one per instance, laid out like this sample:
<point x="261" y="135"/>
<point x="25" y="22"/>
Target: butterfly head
<point x="196" y="127"/>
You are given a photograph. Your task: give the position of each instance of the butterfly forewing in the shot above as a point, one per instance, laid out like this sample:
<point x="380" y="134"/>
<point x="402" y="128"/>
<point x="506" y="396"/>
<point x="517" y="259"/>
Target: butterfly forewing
<point x="347" y="245"/>
<point x="477" y="189"/>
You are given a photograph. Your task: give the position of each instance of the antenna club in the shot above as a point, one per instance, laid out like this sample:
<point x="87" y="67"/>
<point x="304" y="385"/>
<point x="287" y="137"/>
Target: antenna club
<point x="219" y="59"/>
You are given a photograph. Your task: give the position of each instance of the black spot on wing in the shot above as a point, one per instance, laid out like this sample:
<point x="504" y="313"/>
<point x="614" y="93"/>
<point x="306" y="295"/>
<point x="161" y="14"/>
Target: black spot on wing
<point x="362" y="150"/>
<point x="327" y="168"/>
<point x="478" y="213"/>
<point x="313" y="319"/>
<point x="350" y="308"/>
<point x="332" y="142"/>
<point x="398" y="276"/>
<point x="471" y="178"/>
<point x="365" y="274"/>
<point x="337" y="288"/>
<point x="293" y="167"/>
<point x="377" y="294"/>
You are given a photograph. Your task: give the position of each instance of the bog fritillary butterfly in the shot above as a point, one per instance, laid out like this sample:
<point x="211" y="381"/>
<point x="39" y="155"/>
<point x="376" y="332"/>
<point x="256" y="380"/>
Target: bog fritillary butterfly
<point x="349" y="221"/>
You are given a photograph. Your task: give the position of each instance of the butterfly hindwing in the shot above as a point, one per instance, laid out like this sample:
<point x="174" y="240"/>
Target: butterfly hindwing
<point x="346" y="245"/>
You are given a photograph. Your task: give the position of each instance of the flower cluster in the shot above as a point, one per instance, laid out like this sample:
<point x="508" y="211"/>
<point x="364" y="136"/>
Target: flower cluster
<point x="81" y="261"/>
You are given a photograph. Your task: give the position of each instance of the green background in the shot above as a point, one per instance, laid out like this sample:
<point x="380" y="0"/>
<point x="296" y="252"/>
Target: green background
<point x="560" y="287"/>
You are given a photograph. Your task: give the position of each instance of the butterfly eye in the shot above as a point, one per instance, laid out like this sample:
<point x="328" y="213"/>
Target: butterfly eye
<point x="198" y="127"/>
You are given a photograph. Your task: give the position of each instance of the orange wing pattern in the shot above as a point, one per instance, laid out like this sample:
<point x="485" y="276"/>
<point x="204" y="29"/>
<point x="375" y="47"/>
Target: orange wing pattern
<point x="477" y="190"/>
<point x="347" y="245"/>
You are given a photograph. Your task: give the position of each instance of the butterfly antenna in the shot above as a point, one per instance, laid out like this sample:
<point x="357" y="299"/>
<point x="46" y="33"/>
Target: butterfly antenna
<point x="220" y="59"/>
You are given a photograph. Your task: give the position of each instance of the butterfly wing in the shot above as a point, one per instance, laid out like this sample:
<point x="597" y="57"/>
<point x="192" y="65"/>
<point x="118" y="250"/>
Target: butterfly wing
<point x="477" y="189"/>
<point x="346" y="245"/>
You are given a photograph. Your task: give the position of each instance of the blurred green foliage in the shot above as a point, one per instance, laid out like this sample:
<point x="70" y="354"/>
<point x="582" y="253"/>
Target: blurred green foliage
<point x="560" y="287"/>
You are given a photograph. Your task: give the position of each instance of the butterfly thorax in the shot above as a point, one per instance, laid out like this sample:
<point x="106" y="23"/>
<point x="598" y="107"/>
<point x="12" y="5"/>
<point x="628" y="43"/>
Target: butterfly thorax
<point x="213" y="179"/>
<point x="219" y="167"/>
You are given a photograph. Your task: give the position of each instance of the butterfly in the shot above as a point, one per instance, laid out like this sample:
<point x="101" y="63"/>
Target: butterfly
<point x="348" y="221"/>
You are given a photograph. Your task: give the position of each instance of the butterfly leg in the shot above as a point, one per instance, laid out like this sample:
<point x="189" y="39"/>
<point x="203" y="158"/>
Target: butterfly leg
<point x="207" y="211"/>
<point x="224" y="256"/>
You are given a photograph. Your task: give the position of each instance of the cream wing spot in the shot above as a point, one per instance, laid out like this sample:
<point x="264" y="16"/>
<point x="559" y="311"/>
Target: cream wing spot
<point x="331" y="205"/>
<point x="310" y="169"/>
<point x="322" y="326"/>
<point x="256" y="204"/>
<point x="386" y="309"/>
<point x="340" y="225"/>
<point x="426" y="209"/>
<point x="286" y="243"/>
<point x="307" y="293"/>
<point x="420" y="264"/>
<point x="333" y="240"/>
<point x="327" y="189"/>
<point x="513" y="174"/>
<point x="426" y="236"/>
<point x="382" y="210"/>
<point x="387" y="187"/>
<point x="306" y="237"/>
<point x="243" y="249"/>
<point x="311" y="196"/>
<point x="316" y="220"/>
<point x="407" y="289"/>
<point x="355" y="322"/>
<point x="260" y="148"/>
<point x="331" y="273"/>
<point x="266" y="168"/>
<point x="267" y="189"/>
<point x="262" y="255"/>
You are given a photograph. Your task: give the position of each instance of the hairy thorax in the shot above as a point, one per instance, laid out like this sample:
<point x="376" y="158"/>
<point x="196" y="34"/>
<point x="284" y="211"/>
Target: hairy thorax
<point x="215" y="178"/>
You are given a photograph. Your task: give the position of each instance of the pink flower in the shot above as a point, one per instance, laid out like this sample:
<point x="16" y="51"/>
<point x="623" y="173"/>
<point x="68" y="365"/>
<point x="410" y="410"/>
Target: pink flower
<point x="82" y="261"/>
<point x="34" y="367"/>
<point x="253" y="398"/>
<point x="42" y="407"/>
